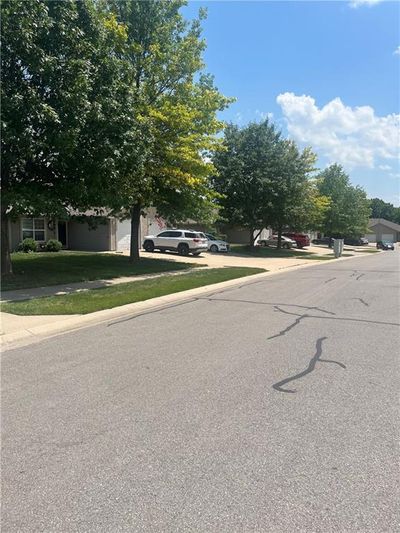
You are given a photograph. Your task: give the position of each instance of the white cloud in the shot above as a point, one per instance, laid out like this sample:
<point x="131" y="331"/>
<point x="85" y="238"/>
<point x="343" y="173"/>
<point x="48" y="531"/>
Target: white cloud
<point x="239" y="117"/>
<point x="358" y="3"/>
<point x="385" y="167"/>
<point x="264" y="115"/>
<point x="352" y="136"/>
<point x="397" y="51"/>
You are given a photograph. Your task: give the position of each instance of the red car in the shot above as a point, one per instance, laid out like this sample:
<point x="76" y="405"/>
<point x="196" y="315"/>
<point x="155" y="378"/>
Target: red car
<point x="301" y="239"/>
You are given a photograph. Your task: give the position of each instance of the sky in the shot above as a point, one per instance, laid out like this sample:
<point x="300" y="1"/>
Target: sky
<point x="326" y="72"/>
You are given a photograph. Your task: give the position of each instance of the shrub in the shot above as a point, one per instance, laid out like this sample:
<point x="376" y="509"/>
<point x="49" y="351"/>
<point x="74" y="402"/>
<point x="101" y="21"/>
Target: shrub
<point x="52" y="245"/>
<point x="28" y="245"/>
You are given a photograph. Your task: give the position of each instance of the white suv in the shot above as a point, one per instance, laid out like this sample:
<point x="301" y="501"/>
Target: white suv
<point x="178" y="240"/>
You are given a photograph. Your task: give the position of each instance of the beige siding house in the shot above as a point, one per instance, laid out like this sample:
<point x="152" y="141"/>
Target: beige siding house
<point x="380" y="229"/>
<point x="109" y="234"/>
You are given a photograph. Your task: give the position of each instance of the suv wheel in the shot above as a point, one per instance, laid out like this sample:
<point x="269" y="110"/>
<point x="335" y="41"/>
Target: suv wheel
<point x="213" y="248"/>
<point x="148" y="246"/>
<point x="183" y="249"/>
<point x="287" y="246"/>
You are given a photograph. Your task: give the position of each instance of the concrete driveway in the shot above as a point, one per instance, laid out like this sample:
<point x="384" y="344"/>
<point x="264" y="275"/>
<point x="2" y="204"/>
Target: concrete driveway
<point x="234" y="259"/>
<point x="268" y="407"/>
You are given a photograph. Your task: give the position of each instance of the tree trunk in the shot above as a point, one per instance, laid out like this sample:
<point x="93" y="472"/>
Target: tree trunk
<point x="251" y="235"/>
<point x="135" y="231"/>
<point x="6" y="265"/>
<point x="279" y="246"/>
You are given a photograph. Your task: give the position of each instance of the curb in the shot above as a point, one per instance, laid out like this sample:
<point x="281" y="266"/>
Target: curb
<point x="35" y="334"/>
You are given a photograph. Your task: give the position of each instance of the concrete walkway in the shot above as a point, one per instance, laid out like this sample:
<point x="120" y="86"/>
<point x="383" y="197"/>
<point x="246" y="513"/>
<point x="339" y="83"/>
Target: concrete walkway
<point x="16" y="330"/>
<point x="220" y="260"/>
<point x="68" y="288"/>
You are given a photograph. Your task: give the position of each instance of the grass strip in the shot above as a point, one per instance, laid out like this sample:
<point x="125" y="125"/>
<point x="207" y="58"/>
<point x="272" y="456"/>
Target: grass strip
<point x="262" y="251"/>
<point x="92" y="300"/>
<point x="45" y="268"/>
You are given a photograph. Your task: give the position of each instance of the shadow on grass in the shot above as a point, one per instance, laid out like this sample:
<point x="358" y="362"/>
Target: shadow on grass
<point x="43" y="268"/>
<point x="259" y="251"/>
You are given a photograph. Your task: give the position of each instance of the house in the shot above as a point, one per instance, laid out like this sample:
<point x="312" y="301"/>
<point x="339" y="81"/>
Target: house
<point x="380" y="229"/>
<point x="87" y="231"/>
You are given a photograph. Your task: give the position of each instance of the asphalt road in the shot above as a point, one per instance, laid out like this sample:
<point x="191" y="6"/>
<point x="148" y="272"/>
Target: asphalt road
<point x="270" y="407"/>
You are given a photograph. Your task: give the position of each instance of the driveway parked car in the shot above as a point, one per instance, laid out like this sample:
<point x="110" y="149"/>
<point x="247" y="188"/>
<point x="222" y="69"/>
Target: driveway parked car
<point x="301" y="239"/>
<point x="216" y="245"/>
<point x="273" y="242"/>
<point x="385" y="245"/>
<point x="353" y="241"/>
<point x="177" y="240"/>
<point x="321" y="240"/>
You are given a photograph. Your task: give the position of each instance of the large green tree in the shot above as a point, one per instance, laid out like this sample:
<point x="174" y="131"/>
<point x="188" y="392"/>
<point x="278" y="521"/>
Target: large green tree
<point x="67" y="111"/>
<point x="245" y="175"/>
<point x="291" y="193"/>
<point x="349" y="210"/>
<point x="176" y="110"/>
<point x="386" y="210"/>
<point x="263" y="180"/>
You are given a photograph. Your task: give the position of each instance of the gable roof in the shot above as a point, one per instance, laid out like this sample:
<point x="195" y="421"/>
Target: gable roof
<point x="375" y="221"/>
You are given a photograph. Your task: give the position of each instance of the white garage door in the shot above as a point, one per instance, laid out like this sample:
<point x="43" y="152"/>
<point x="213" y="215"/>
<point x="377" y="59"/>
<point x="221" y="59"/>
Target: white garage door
<point x="388" y="237"/>
<point x="371" y="237"/>
<point x="123" y="235"/>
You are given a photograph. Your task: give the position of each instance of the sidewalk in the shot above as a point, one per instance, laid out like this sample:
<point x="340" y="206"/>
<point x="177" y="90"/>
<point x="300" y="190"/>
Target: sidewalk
<point x="68" y="288"/>
<point x="17" y="330"/>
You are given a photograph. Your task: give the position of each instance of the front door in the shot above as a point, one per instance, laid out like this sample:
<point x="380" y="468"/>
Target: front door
<point x="62" y="233"/>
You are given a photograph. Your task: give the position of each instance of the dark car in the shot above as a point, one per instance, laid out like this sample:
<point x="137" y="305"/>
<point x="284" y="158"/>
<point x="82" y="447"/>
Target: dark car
<point x="301" y="239"/>
<point x="321" y="240"/>
<point x="385" y="245"/>
<point x="354" y="241"/>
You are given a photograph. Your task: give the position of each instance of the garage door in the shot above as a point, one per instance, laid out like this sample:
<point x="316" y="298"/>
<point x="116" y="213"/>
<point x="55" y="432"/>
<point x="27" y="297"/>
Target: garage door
<point x="388" y="237"/>
<point x="371" y="237"/>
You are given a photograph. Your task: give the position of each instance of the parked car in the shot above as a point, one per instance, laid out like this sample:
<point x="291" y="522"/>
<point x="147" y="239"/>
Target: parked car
<point x="322" y="240"/>
<point x="273" y="241"/>
<point x="216" y="245"/>
<point x="385" y="245"/>
<point x="353" y="241"/>
<point x="178" y="240"/>
<point x="301" y="239"/>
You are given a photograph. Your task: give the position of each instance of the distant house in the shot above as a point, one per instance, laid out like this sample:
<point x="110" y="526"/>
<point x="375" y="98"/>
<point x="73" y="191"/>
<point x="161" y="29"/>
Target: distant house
<point x="88" y="231"/>
<point x="380" y="229"/>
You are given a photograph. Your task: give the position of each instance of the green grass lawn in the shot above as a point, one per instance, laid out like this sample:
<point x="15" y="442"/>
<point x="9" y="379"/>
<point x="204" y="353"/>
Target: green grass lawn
<point x="261" y="251"/>
<point x="124" y="293"/>
<point x="45" y="268"/>
<point x="366" y="251"/>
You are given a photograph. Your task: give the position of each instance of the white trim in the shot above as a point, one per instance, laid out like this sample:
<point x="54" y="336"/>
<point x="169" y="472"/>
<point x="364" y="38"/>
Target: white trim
<point x="33" y="230"/>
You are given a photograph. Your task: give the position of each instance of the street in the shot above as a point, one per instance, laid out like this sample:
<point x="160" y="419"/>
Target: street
<point x="273" y="406"/>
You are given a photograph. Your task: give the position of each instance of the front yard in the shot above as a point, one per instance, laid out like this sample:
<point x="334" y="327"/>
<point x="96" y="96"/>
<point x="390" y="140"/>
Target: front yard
<point x="44" y="269"/>
<point x="261" y="251"/>
<point x="125" y="293"/>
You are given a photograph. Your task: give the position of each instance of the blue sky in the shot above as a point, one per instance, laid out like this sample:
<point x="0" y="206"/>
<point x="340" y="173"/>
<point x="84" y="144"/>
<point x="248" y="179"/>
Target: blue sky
<point x="326" y="72"/>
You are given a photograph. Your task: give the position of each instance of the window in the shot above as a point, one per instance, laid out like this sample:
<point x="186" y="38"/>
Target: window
<point x="169" y="234"/>
<point x="33" y="228"/>
<point x="190" y="235"/>
<point x="175" y="234"/>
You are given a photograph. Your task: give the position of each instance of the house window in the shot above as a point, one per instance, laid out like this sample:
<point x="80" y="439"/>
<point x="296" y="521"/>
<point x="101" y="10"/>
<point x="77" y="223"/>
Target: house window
<point x="33" y="228"/>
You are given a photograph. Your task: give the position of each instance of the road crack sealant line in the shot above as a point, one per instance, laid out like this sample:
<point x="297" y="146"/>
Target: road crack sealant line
<point x="70" y="325"/>
<point x="310" y="368"/>
<point x="345" y="319"/>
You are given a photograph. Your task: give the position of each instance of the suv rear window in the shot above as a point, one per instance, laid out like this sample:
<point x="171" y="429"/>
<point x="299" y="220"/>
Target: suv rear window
<point x="190" y="235"/>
